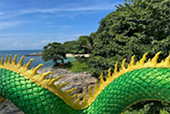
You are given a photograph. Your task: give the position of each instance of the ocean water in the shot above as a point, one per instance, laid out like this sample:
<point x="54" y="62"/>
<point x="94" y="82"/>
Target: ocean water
<point x="37" y="59"/>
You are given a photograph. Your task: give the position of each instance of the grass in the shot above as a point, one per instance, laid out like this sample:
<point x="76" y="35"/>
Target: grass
<point x="79" y="65"/>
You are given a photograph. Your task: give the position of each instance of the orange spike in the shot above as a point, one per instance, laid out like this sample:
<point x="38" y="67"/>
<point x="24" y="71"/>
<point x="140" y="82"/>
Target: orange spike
<point x="115" y="70"/>
<point x="149" y="60"/>
<point x="96" y="85"/>
<point x="167" y="60"/>
<point x="123" y="64"/>
<point x="155" y="58"/>
<point x="6" y="60"/>
<point x="21" y="60"/>
<point x="77" y="101"/>
<point x="36" y="68"/>
<point x="46" y="74"/>
<point x="132" y="60"/>
<point x="70" y="91"/>
<point x="74" y="96"/>
<point x="90" y="91"/>
<point x="29" y="63"/>
<point x="10" y="59"/>
<point x="55" y="79"/>
<point x="101" y="78"/>
<point x="84" y="97"/>
<point x="143" y="58"/>
<point x="63" y="84"/>
<point x="14" y="60"/>
<point x="109" y="73"/>
<point x="2" y="60"/>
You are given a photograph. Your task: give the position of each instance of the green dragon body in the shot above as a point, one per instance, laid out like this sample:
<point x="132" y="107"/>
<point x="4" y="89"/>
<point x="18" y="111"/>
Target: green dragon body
<point x="34" y="94"/>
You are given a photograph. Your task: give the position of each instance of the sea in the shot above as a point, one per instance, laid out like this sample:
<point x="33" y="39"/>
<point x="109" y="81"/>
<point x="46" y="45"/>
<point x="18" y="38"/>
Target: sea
<point x="37" y="59"/>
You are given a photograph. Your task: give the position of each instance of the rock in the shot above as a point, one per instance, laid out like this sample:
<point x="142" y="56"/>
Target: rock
<point x="7" y="107"/>
<point x="79" y="81"/>
<point x="35" y="54"/>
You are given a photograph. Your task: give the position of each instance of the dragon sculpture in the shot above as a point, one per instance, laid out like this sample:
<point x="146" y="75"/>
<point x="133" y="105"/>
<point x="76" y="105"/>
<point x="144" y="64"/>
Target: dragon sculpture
<point x="33" y="93"/>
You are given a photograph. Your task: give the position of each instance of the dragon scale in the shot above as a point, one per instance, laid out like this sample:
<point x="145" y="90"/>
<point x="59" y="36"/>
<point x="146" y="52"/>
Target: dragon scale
<point x="33" y="93"/>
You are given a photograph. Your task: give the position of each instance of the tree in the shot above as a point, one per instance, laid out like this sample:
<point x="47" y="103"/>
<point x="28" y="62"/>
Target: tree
<point x="133" y="29"/>
<point x="86" y="42"/>
<point x="55" y="52"/>
<point x="73" y="47"/>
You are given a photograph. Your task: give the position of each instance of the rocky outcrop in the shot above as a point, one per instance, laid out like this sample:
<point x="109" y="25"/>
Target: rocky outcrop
<point x="79" y="81"/>
<point x="35" y="54"/>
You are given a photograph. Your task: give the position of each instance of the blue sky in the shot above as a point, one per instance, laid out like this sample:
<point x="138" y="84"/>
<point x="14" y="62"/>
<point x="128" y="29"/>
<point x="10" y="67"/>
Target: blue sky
<point x="32" y="24"/>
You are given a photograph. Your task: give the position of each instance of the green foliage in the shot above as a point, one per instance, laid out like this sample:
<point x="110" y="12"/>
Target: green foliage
<point x="83" y="45"/>
<point x="57" y="51"/>
<point x="73" y="47"/>
<point x="86" y="43"/>
<point x="80" y="65"/>
<point x="148" y="107"/>
<point x="133" y="29"/>
<point x="54" y="51"/>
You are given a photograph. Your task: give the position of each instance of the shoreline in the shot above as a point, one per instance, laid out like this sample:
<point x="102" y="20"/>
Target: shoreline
<point x="67" y="55"/>
<point x="77" y="55"/>
<point x="34" y="54"/>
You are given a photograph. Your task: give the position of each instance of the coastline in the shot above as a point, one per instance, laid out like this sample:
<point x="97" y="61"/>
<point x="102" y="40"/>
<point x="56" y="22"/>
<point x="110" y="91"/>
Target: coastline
<point x="77" y="55"/>
<point x="67" y="55"/>
<point x="35" y="54"/>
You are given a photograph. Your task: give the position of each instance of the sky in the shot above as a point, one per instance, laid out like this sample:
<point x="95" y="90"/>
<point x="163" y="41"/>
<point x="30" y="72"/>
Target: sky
<point x="32" y="24"/>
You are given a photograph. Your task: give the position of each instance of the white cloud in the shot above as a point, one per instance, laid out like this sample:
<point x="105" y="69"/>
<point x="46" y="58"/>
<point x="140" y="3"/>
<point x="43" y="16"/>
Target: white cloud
<point x="72" y="15"/>
<point x="66" y="9"/>
<point x="71" y="12"/>
<point x="20" y="42"/>
<point x="42" y="42"/>
<point x="5" y="25"/>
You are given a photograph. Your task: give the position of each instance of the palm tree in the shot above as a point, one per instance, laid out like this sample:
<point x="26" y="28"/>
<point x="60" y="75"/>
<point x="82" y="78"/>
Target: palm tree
<point x="86" y="42"/>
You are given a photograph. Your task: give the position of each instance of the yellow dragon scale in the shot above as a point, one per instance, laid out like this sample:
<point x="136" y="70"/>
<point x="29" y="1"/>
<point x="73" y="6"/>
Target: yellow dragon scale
<point x="34" y="94"/>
